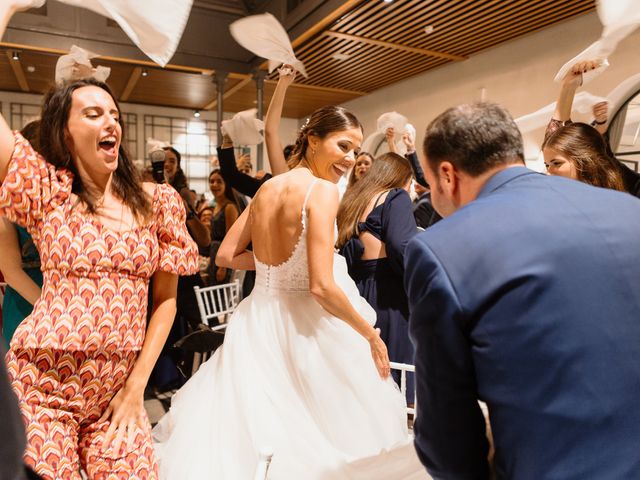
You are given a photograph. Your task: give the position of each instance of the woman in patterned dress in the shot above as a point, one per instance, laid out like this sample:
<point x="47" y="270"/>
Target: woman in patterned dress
<point x="80" y="362"/>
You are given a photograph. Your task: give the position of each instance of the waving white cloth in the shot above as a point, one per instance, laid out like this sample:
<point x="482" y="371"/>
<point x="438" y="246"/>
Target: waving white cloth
<point x="155" y="26"/>
<point x="583" y="103"/>
<point x="619" y="19"/>
<point x="264" y="36"/>
<point x="244" y="128"/>
<point x="77" y="64"/>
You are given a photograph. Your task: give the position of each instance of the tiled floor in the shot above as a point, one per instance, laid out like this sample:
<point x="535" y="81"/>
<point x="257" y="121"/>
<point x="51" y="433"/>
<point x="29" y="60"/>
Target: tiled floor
<point x="157" y="404"/>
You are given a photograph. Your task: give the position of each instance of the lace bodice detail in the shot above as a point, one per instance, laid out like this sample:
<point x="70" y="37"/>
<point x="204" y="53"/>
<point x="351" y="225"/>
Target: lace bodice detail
<point x="293" y="274"/>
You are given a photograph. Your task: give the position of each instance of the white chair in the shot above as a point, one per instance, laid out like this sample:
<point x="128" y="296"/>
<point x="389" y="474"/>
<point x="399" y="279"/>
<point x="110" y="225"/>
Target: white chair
<point x="217" y="302"/>
<point x="404" y="368"/>
<point x="263" y="464"/>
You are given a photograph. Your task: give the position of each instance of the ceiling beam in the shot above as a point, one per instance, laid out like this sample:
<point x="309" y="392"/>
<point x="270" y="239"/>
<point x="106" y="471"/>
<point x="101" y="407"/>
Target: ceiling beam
<point x="305" y="86"/>
<point x="394" y="46"/>
<point x="16" y="66"/>
<point x="146" y="63"/>
<point x="219" y="8"/>
<point x="211" y="105"/>
<point x="131" y="83"/>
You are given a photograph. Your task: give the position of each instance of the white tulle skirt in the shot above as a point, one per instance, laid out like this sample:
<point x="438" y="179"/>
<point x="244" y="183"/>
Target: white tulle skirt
<point x="293" y="379"/>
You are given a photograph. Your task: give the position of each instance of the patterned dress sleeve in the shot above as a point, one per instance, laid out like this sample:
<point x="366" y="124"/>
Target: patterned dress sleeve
<point x="178" y="251"/>
<point x="32" y="186"/>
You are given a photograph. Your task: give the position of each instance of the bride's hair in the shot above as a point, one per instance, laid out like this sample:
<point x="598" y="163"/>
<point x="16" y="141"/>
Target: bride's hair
<point x="388" y="171"/>
<point x="321" y="123"/>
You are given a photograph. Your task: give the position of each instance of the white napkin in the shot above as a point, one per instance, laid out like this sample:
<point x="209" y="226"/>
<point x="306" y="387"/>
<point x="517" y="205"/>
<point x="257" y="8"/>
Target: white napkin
<point x="267" y="38"/>
<point x="583" y="103"/>
<point x="392" y="120"/>
<point x="155" y="26"/>
<point x="153" y="145"/>
<point x="77" y="64"/>
<point x="619" y="19"/>
<point x="244" y="128"/>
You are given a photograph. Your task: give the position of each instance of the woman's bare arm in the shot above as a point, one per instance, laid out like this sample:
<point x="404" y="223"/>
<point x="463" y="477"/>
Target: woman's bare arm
<point x="233" y="251"/>
<point x="11" y="263"/>
<point x="322" y="210"/>
<point x="272" y="121"/>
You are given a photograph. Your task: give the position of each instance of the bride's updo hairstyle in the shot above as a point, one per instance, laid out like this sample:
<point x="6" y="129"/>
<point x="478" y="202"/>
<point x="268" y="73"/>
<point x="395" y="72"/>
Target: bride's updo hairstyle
<point x="322" y="122"/>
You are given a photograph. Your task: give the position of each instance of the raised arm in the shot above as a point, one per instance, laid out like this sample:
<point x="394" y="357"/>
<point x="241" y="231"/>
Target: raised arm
<point x="11" y="263"/>
<point x="7" y="9"/>
<point x="322" y="210"/>
<point x="272" y="121"/>
<point x="570" y="83"/>
<point x="245" y="184"/>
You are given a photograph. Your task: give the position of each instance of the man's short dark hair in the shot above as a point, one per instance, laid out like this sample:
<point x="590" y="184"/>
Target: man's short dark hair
<point x="474" y="137"/>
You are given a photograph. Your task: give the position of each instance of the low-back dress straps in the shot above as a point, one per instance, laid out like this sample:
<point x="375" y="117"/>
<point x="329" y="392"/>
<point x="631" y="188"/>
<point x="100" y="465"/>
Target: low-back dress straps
<point x="306" y="199"/>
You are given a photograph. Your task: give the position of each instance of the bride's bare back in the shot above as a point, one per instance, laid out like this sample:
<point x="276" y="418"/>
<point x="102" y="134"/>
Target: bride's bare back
<point x="276" y="216"/>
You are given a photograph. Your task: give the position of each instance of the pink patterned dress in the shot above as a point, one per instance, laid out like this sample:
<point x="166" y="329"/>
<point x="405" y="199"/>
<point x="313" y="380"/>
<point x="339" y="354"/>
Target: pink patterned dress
<point x="77" y="348"/>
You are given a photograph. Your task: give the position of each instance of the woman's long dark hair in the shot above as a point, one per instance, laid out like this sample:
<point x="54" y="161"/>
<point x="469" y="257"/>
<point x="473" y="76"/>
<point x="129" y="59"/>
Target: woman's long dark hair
<point x="228" y="191"/>
<point x="587" y="149"/>
<point x="179" y="180"/>
<point x="126" y="183"/>
<point x="321" y="123"/>
<point x="388" y="171"/>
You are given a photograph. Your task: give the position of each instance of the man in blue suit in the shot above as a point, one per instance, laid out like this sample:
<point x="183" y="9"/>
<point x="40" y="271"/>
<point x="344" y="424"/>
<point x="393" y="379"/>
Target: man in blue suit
<point x="527" y="297"/>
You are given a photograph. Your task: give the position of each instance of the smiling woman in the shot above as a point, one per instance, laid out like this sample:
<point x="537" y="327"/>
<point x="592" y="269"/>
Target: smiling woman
<point x="102" y="235"/>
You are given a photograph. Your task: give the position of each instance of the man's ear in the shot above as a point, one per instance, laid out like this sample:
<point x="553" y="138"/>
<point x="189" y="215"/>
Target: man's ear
<point x="448" y="178"/>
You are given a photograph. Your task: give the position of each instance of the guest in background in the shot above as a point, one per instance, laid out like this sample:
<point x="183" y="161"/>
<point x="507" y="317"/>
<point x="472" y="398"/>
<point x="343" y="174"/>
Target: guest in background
<point x="577" y="150"/>
<point x="375" y="223"/>
<point x="360" y="169"/>
<point x="225" y="213"/>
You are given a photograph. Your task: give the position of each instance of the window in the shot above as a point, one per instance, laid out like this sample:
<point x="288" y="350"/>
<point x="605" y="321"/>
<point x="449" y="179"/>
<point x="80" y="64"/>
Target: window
<point x="624" y="133"/>
<point x="194" y="139"/>
<point x="23" y="113"/>
<point x="130" y="122"/>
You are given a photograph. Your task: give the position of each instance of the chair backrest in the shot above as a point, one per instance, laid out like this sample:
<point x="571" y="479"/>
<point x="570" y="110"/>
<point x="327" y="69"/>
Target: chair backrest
<point x="403" y="368"/>
<point x="218" y="300"/>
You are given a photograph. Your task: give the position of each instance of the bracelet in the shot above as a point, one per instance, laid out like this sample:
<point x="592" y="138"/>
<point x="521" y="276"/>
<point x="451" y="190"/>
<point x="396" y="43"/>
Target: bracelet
<point x="595" y="122"/>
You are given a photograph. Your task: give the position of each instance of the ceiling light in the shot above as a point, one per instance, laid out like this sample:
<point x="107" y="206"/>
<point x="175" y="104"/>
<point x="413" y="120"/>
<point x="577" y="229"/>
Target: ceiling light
<point x="429" y="29"/>
<point x="144" y="73"/>
<point x="15" y="56"/>
<point x="387" y="1"/>
<point x="31" y="69"/>
<point x="196" y="113"/>
<point x="340" y="56"/>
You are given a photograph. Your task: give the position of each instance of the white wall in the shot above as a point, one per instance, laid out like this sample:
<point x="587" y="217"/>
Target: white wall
<point x="519" y="75"/>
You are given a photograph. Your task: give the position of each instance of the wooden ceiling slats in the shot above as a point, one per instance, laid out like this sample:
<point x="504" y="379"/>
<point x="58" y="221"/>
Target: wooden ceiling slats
<point x="414" y="27"/>
<point x="456" y="25"/>
<point x="485" y="24"/>
<point x="524" y="12"/>
<point x="399" y="77"/>
<point x="390" y="15"/>
<point x="508" y="29"/>
<point x="403" y="20"/>
<point x="374" y="68"/>
<point x="500" y="38"/>
<point x="359" y="15"/>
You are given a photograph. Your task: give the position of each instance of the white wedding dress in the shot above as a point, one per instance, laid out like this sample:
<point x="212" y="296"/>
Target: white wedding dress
<point x="293" y="379"/>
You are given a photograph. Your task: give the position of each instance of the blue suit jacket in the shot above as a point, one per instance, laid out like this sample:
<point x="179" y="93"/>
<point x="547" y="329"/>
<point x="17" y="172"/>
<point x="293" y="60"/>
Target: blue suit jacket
<point x="528" y="298"/>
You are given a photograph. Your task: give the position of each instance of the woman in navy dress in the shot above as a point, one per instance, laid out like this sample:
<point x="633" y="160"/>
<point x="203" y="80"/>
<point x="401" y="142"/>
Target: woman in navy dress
<point x="375" y="223"/>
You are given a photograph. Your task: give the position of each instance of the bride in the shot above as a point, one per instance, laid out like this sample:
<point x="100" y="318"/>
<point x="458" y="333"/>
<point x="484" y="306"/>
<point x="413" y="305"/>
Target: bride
<point x="301" y="372"/>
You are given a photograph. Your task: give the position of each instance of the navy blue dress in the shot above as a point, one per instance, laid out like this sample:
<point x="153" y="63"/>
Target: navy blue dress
<point x="380" y="281"/>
